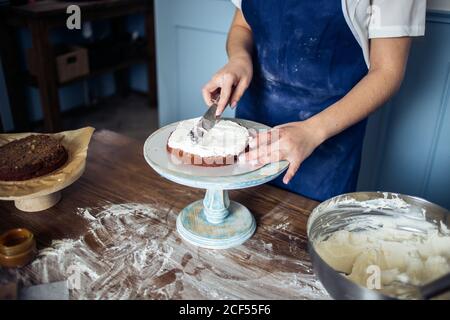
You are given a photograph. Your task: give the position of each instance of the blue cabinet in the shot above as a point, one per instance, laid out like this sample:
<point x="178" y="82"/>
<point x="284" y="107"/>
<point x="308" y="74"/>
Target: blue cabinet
<point x="191" y="36"/>
<point x="407" y="146"/>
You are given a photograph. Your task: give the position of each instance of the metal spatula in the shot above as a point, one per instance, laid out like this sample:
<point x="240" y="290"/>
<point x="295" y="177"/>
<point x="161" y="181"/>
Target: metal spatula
<point x="207" y="122"/>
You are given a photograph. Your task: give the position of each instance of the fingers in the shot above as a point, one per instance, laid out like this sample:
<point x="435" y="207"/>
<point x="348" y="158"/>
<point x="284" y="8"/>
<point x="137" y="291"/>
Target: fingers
<point x="222" y="82"/>
<point x="251" y="155"/>
<point x="238" y="92"/>
<point x="269" y="157"/>
<point x="208" y="90"/>
<point x="266" y="137"/>
<point x="225" y="92"/>
<point x="258" y="141"/>
<point x="260" y="154"/>
<point x="264" y="154"/>
<point x="263" y="150"/>
<point x="293" y="167"/>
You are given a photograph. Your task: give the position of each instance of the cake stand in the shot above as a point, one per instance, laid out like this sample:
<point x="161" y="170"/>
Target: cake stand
<point x="46" y="197"/>
<point x="44" y="192"/>
<point x="214" y="222"/>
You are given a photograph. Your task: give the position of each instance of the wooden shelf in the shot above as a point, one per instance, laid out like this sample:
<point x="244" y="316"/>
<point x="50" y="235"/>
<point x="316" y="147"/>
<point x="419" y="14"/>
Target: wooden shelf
<point x="32" y="81"/>
<point x="40" y="18"/>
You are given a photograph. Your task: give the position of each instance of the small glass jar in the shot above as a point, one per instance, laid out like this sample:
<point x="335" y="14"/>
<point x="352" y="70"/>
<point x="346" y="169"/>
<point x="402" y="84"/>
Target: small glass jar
<point x="17" y="248"/>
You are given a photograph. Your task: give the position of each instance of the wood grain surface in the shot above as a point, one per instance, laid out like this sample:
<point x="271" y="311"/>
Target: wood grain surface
<point x="117" y="173"/>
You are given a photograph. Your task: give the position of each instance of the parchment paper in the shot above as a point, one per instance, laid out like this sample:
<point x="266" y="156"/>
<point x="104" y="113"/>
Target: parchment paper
<point x="76" y="143"/>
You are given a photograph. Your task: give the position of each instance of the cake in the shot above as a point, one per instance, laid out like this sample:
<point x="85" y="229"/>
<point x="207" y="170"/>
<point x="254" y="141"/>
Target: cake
<point x="31" y="157"/>
<point x="220" y="146"/>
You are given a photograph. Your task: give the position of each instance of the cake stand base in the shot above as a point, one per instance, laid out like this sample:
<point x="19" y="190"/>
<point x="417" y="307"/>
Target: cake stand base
<point x="38" y="203"/>
<point x="194" y="227"/>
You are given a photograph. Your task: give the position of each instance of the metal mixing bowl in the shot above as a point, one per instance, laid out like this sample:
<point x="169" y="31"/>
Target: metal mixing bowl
<point x="336" y="213"/>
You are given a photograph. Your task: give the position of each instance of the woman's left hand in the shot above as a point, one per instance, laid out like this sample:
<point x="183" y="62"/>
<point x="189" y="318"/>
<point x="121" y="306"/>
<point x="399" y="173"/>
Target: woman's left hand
<point x="293" y="142"/>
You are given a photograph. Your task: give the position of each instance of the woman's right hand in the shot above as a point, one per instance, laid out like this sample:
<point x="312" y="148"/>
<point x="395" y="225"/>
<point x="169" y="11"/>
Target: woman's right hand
<point x="232" y="81"/>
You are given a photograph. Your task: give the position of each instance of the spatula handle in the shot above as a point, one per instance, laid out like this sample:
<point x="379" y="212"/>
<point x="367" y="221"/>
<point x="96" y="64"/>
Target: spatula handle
<point x="215" y="98"/>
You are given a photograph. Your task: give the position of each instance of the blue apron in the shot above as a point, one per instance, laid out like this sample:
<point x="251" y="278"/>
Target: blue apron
<point x="305" y="59"/>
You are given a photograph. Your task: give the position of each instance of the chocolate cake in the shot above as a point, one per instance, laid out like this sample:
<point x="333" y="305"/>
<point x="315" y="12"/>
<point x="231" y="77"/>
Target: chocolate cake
<point x="220" y="146"/>
<point x="31" y="157"/>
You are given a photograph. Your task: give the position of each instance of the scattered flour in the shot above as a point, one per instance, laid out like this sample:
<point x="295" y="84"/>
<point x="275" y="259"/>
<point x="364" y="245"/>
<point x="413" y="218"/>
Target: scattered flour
<point x="282" y="226"/>
<point x="130" y="252"/>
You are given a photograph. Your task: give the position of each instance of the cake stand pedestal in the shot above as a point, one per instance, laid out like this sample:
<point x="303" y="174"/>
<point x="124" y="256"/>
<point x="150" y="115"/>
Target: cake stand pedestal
<point x="38" y="203"/>
<point x="214" y="222"/>
<point x="45" y="197"/>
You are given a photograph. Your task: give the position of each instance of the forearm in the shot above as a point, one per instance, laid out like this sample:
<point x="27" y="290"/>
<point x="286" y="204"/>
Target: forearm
<point x="234" y="77"/>
<point x="240" y="39"/>
<point x="368" y="95"/>
<point x="378" y="86"/>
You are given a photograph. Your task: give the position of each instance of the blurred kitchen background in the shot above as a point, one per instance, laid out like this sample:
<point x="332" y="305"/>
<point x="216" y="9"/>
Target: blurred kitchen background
<point x="140" y="64"/>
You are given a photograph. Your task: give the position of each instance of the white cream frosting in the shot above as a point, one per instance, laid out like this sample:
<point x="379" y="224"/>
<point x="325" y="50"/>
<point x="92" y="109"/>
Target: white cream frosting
<point x="401" y="255"/>
<point x="224" y="139"/>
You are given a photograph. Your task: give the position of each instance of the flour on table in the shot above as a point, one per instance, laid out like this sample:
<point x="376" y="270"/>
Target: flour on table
<point x="130" y="252"/>
<point x="282" y="226"/>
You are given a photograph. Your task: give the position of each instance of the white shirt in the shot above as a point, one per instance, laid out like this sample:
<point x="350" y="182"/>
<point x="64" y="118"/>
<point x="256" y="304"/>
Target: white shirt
<point x="368" y="19"/>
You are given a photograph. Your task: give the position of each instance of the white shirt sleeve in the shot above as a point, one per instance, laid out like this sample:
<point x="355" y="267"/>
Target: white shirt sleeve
<point x="237" y="3"/>
<point x="397" y="18"/>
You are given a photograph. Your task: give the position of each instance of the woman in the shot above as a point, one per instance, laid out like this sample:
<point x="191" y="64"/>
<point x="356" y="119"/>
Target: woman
<point x="315" y="70"/>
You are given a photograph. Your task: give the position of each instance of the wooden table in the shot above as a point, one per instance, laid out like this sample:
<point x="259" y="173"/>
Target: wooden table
<point x="273" y="264"/>
<point x="40" y="18"/>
